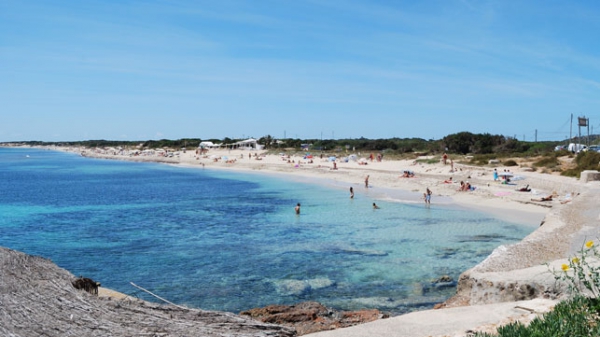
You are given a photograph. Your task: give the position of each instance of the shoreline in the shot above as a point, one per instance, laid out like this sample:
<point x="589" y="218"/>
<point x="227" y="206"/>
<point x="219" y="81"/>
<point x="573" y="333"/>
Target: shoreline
<point x="384" y="176"/>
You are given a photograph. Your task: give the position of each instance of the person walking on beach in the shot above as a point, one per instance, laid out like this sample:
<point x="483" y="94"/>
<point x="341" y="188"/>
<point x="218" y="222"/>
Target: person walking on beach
<point x="351" y="193"/>
<point x="297" y="209"/>
<point x="367" y="181"/>
<point x="428" y="196"/>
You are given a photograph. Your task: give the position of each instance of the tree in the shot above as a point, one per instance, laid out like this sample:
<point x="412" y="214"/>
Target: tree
<point x="267" y="141"/>
<point x="459" y="142"/>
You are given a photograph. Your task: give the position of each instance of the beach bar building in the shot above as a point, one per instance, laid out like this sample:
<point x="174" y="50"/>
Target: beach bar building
<point x="248" y="144"/>
<point x="209" y="145"/>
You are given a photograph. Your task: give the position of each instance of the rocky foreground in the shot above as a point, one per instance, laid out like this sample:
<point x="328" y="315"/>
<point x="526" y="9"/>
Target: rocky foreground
<point x="37" y="298"/>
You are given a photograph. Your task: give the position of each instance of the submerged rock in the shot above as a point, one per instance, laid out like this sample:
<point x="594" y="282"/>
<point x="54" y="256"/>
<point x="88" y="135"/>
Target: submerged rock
<point x="292" y="287"/>
<point x="444" y="281"/>
<point x="299" y="287"/>
<point x="320" y="283"/>
<point x="310" y="317"/>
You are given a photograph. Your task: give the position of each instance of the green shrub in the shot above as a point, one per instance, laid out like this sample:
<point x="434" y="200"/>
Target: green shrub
<point x="482" y="159"/>
<point x="510" y="162"/>
<point x="429" y="161"/>
<point x="575" y="317"/>
<point x="588" y="160"/>
<point x="548" y="162"/>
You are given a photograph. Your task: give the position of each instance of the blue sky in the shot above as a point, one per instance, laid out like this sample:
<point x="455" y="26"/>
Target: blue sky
<point x="139" y="70"/>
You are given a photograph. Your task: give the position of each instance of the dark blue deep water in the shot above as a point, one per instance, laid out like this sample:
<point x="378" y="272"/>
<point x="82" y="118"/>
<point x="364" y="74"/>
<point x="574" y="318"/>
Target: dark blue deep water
<point x="231" y="241"/>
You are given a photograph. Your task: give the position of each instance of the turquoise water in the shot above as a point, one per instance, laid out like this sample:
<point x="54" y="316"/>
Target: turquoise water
<point x="231" y="241"/>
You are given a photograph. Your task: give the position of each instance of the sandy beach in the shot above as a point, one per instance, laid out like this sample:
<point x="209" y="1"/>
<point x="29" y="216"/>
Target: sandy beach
<point x="488" y="196"/>
<point x="511" y="274"/>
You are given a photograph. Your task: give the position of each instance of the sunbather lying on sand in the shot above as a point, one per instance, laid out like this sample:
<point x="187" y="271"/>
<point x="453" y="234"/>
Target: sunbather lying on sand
<point x="548" y="198"/>
<point x="524" y="189"/>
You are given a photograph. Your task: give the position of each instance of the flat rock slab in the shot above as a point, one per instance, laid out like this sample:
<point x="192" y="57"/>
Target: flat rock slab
<point x="447" y="322"/>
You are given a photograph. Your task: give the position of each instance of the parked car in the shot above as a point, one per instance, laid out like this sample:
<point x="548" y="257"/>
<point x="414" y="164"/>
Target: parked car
<point x="595" y="148"/>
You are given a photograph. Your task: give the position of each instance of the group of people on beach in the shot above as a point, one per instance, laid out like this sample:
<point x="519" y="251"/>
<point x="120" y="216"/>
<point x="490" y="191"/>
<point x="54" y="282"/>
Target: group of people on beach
<point x="465" y="186"/>
<point x="426" y="196"/>
<point x="407" y="174"/>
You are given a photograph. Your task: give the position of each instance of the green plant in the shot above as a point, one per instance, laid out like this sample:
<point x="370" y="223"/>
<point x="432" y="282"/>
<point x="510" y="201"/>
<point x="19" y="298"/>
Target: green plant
<point x="510" y="162"/>
<point x="580" y="274"/>
<point x="574" y="317"/>
<point x="548" y="162"/>
<point x="428" y="161"/>
<point x="588" y="160"/>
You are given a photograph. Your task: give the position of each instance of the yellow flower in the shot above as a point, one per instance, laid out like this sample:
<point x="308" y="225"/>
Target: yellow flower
<point x="575" y="260"/>
<point x="565" y="267"/>
<point x="589" y="244"/>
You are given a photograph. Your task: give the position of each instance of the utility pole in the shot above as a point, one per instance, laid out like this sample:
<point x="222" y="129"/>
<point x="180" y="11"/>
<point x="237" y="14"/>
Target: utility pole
<point x="321" y="143"/>
<point x="571" y="130"/>
<point x="588" y="135"/>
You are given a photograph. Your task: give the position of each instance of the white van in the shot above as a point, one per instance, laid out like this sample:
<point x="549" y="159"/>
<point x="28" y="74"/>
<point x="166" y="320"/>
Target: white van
<point x="575" y="148"/>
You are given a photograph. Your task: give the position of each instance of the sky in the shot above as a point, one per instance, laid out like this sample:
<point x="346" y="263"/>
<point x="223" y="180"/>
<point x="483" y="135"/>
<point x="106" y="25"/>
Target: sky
<point x="308" y="69"/>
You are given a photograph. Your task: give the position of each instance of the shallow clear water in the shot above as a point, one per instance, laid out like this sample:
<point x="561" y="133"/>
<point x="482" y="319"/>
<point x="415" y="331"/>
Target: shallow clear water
<point x="231" y="241"/>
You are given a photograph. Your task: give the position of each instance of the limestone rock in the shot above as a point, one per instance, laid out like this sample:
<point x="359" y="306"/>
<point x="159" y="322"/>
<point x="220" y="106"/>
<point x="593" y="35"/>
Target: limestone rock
<point x="310" y="317"/>
<point x="590" y="175"/>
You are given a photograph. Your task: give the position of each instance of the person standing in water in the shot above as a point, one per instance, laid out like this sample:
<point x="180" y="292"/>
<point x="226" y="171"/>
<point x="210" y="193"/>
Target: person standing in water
<point x="297" y="209"/>
<point x="428" y="196"/>
<point x="375" y="206"/>
<point x="367" y="181"/>
<point x="351" y="193"/>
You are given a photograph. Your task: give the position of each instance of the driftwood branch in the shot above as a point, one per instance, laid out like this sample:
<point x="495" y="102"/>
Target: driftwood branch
<point x="526" y="309"/>
<point x="160" y="298"/>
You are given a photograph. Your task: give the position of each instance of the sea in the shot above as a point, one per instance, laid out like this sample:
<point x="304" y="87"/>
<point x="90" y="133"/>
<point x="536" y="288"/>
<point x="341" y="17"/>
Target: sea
<point x="231" y="241"/>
